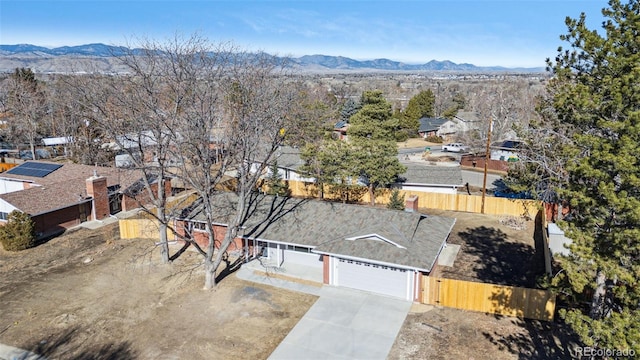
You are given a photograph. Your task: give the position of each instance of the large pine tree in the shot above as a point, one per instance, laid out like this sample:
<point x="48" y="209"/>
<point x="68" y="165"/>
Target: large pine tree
<point x="596" y="91"/>
<point x="375" y="149"/>
<point x="419" y="106"/>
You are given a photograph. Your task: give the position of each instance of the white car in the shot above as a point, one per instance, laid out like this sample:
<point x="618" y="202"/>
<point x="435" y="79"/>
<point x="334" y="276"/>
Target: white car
<point x="454" y="147"/>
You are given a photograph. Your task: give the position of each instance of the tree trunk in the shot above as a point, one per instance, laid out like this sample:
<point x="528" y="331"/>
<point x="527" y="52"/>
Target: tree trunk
<point x="209" y="268"/>
<point x="209" y="274"/>
<point x="559" y="215"/>
<point x="164" y="243"/>
<point x="372" y="195"/>
<point x="597" y="301"/>
<point x="32" y="147"/>
<point x="161" y="196"/>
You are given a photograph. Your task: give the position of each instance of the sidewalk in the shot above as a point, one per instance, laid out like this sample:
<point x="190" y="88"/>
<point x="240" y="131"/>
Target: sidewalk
<point x="251" y="273"/>
<point x="12" y="353"/>
<point x="96" y="224"/>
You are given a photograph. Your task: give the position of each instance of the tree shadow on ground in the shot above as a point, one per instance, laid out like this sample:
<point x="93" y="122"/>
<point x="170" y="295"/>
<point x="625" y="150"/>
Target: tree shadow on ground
<point x="62" y="346"/>
<point x="230" y="268"/>
<point x="494" y="259"/>
<point x="542" y="340"/>
<point x="182" y="249"/>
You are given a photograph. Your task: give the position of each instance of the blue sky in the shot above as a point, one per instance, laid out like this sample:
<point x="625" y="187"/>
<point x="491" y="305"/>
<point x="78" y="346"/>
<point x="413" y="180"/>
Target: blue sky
<point x="485" y="33"/>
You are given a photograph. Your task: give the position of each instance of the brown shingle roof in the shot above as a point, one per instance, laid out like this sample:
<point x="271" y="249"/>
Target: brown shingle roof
<point x="70" y="171"/>
<point x="40" y="199"/>
<point x="63" y="187"/>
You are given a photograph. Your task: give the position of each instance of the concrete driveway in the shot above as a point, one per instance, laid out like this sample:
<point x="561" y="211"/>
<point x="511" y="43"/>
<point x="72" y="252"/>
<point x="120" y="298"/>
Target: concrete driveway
<point x="345" y="324"/>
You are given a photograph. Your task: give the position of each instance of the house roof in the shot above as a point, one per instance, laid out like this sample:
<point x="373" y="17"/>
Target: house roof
<point x="430" y="124"/>
<point x="467" y="116"/>
<point x="41" y="199"/>
<point x="508" y="145"/>
<point x="289" y="158"/>
<point x="70" y="171"/>
<point x="432" y="175"/>
<point x="63" y="187"/>
<point x="416" y="249"/>
<point x="404" y="239"/>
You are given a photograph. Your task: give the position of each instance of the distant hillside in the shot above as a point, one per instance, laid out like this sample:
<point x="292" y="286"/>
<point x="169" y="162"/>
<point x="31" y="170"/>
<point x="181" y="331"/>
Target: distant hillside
<point x="83" y="50"/>
<point x="100" y="57"/>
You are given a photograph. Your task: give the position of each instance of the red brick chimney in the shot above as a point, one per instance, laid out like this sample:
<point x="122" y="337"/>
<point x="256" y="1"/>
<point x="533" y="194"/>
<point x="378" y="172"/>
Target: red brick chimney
<point x="411" y="204"/>
<point x="97" y="189"/>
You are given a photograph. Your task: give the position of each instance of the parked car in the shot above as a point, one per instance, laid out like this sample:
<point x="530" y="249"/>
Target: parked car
<point x="455" y="147"/>
<point x="40" y="154"/>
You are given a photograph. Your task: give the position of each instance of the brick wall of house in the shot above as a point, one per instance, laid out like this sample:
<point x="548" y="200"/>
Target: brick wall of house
<point x="551" y="211"/>
<point x="97" y="188"/>
<point x="325" y="269"/>
<point x="411" y="203"/>
<point x="418" y="293"/>
<point x="55" y="222"/>
<point x="202" y="239"/>
<point x="130" y="203"/>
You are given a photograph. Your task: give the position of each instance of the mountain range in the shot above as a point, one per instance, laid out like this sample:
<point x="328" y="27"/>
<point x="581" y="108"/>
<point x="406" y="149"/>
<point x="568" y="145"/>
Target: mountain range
<point x="77" y="58"/>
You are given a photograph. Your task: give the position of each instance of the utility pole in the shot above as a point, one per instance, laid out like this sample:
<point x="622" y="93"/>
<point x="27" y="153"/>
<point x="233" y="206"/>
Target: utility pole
<point x="487" y="156"/>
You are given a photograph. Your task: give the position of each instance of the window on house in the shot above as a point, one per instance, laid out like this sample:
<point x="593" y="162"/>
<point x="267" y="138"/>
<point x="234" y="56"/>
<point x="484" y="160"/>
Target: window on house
<point x="4" y="216"/>
<point x="298" y="248"/>
<point x="199" y="226"/>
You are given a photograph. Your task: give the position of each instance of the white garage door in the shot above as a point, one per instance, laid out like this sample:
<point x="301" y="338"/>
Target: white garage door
<point x="369" y="277"/>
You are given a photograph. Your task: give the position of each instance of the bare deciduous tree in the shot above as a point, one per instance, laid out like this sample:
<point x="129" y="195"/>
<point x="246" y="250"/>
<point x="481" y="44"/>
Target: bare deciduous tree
<point x="509" y="105"/>
<point x="200" y="113"/>
<point x="26" y="104"/>
<point x="72" y="120"/>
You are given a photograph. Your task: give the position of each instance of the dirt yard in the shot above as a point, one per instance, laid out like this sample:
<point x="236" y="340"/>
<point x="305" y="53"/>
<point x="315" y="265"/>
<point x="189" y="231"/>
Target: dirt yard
<point x="90" y="295"/>
<point x="444" y="333"/>
<point x="493" y="249"/>
<point x="415" y="143"/>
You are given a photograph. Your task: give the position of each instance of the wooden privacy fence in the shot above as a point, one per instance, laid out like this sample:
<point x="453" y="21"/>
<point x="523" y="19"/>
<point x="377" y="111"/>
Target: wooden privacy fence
<point x="7" y="166"/>
<point x="489" y="298"/>
<point x="141" y="228"/>
<point x="453" y="202"/>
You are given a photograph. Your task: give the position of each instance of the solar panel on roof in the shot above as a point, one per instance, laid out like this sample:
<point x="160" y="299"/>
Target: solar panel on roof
<point x="34" y="168"/>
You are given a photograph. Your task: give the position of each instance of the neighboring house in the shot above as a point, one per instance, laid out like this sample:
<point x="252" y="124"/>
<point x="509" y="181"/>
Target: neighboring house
<point x="289" y="161"/>
<point x="466" y="121"/>
<point x="506" y="150"/>
<point x="128" y="147"/>
<point x="372" y="249"/>
<point x="463" y="122"/>
<point x="62" y="195"/>
<point x="55" y="142"/>
<point x="430" y="126"/>
<point x="340" y="130"/>
<point x="430" y="179"/>
<point x="434" y="179"/>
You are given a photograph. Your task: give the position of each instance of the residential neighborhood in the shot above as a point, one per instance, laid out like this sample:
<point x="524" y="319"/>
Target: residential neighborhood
<point x="189" y="199"/>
